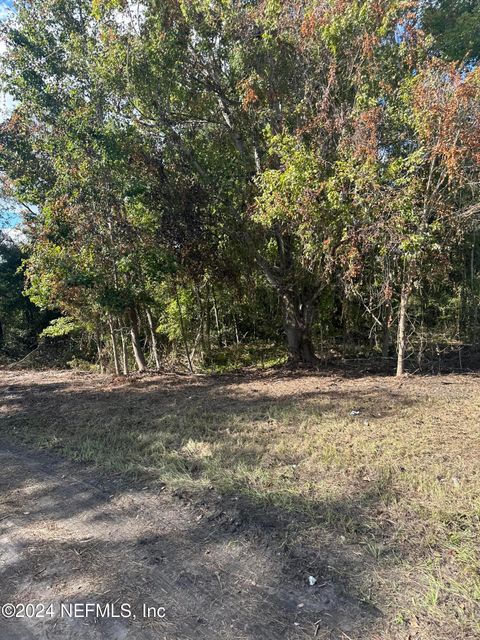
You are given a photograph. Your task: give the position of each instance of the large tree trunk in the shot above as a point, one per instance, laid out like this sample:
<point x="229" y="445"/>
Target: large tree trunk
<point x="298" y="327"/>
<point x="402" y="328"/>
<point x="298" y="303"/>
<point x="136" y="343"/>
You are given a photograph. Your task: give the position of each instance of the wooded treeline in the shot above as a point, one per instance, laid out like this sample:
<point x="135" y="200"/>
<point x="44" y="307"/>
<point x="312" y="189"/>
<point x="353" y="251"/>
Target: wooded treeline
<point x="199" y="175"/>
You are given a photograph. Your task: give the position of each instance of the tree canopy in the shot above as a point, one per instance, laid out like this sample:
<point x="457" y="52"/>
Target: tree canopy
<point x="306" y="160"/>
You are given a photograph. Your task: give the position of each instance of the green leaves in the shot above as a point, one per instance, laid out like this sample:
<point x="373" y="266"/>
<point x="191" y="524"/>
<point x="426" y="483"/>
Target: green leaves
<point x="60" y="327"/>
<point x="194" y="138"/>
<point x="287" y="194"/>
<point x="454" y="25"/>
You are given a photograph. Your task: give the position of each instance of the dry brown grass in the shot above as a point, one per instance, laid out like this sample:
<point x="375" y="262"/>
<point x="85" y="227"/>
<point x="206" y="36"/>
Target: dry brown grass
<point x="387" y="497"/>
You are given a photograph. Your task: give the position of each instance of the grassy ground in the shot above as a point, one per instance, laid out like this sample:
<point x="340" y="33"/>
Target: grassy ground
<point x="372" y="479"/>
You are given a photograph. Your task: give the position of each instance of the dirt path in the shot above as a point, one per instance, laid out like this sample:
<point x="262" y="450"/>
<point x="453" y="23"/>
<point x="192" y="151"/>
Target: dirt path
<point x="68" y="535"/>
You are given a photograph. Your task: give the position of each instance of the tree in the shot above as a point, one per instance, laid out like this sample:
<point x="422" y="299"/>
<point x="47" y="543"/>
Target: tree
<point x="249" y="97"/>
<point x="171" y="144"/>
<point x="454" y="25"/>
<point x="20" y="320"/>
<point x="66" y="154"/>
<point x="413" y="178"/>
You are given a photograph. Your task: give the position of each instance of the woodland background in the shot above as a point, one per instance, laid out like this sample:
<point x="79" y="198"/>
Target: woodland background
<point x="221" y="184"/>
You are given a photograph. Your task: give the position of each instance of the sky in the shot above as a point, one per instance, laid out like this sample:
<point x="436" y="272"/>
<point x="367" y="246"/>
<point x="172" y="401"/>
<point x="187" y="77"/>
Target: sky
<point x="6" y="102"/>
<point x="8" y="217"/>
<point x="5" y="6"/>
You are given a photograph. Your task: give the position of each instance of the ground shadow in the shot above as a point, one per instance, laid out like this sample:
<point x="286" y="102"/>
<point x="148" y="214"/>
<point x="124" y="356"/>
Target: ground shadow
<point x="221" y="558"/>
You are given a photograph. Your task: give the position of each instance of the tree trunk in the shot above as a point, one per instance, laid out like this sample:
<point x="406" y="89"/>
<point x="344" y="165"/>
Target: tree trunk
<point x="402" y="336"/>
<point x="222" y="342"/>
<point x="208" y="327"/>
<point x="124" y="354"/>
<point x="98" y="340"/>
<point x="116" y="360"/>
<point x="201" y="316"/>
<point x="298" y="327"/>
<point x="183" y="331"/>
<point x="386" y="322"/>
<point x="136" y="344"/>
<point x="298" y="303"/>
<point x="235" y="326"/>
<point x="153" y="339"/>
<point x="474" y="329"/>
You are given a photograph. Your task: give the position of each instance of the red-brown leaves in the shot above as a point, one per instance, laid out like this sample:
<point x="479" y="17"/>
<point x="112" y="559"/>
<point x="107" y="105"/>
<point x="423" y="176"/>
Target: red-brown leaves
<point x="366" y="137"/>
<point x="250" y="96"/>
<point x="309" y="26"/>
<point x="446" y="103"/>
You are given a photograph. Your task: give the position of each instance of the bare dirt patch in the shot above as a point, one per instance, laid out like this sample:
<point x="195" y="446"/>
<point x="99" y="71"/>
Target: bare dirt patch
<point x="68" y="538"/>
<point x="254" y="483"/>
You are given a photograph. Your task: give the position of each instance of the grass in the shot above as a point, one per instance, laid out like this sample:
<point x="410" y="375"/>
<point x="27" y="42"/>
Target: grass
<point x="262" y="355"/>
<point x="387" y="500"/>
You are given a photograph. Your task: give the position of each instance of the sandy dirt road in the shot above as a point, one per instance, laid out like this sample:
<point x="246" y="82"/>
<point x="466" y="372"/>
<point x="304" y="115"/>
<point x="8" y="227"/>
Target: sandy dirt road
<point x="68" y="535"/>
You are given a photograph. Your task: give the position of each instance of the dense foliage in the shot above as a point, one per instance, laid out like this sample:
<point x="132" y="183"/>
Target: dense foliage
<point x="205" y="174"/>
<point x="20" y="320"/>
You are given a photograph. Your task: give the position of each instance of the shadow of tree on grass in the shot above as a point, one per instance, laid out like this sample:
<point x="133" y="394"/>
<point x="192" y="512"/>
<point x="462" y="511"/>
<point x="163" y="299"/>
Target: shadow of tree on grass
<point x="229" y="554"/>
